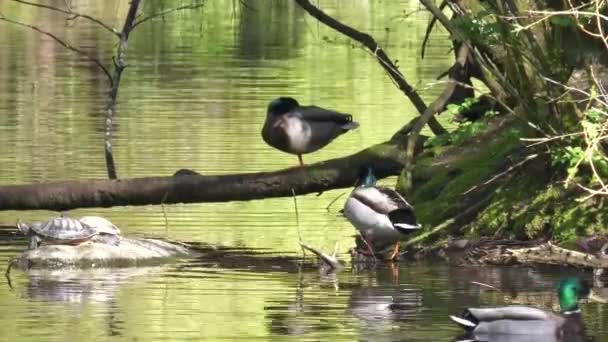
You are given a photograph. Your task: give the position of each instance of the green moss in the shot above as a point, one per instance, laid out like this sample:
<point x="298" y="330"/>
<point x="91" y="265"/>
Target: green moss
<point x="437" y="196"/>
<point x="540" y="208"/>
<point x="524" y="203"/>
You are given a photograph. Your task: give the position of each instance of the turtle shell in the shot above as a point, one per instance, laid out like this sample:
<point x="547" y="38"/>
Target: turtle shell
<point x="63" y="228"/>
<point x="100" y="224"/>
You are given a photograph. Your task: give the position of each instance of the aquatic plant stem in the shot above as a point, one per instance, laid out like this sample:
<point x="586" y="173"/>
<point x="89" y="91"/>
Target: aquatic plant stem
<point x="295" y="204"/>
<point x="334" y="201"/>
<point x="162" y="206"/>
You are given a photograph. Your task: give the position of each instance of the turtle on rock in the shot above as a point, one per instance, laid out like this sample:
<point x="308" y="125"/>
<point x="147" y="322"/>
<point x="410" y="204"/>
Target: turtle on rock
<point x="107" y="232"/>
<point x="69" y="231"/>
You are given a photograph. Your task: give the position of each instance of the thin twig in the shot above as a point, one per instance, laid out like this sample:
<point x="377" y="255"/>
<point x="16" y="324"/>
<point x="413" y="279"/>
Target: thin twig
<point x="486" y="285"/>
<point x="74" y="15"/>
<point x="62" y="43"/>
<point x="334" y="200"/>
<point x="538" y="141"/>
<point x="330" y="260"/>
<point x="295" y="203"/>
<point x="163" y="13"/>
<point x="511" y="168"/>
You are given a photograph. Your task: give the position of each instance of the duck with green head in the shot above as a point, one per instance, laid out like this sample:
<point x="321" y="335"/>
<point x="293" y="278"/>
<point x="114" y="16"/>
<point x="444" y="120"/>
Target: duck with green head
<point x="297" y="129"/>
<point x="380" y="214"/>
<point x="524" y="320"/>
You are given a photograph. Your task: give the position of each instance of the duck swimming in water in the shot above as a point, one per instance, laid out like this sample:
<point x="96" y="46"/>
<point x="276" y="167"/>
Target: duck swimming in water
<point x="524" y="320"/>
<point x="297" y="129"/>
<point x="380" y="214"/>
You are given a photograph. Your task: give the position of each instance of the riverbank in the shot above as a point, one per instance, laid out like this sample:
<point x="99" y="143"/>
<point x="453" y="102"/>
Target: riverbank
<point x="493" y="186"/>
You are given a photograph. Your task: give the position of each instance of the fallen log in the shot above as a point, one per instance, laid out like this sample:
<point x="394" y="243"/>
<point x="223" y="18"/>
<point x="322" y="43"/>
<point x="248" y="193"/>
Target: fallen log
<point x="549" y="253"/>
<point x="190" y="187"/>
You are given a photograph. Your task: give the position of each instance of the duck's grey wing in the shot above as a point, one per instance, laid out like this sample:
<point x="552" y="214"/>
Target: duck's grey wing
<point x="511" y="320"/>
<point x="515" y="312"/>
<point x="374" y="199"/>
<point x="316" y="114"/>
<point x="394" y="197"/>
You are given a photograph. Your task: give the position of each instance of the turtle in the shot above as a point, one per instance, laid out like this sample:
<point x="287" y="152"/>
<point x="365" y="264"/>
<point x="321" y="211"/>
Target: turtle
<point x="61" y="230"/>
<point x="107" y="232"/>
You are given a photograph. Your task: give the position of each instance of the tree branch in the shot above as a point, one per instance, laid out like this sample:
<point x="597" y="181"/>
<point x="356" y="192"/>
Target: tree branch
<point x="119" y="66"/>
<point x="386" y="63"/>
<point x="62" y="43"/>
<point x="74" y="15"/>
<point x="458" y="74"/>
<point x="189" y="187"/>
<point x="163" y="13"/>
<point x="497" y="89"/>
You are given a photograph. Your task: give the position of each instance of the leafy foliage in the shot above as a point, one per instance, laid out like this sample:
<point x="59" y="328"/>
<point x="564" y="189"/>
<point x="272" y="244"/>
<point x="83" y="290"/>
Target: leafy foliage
<point x="581" y="151"/>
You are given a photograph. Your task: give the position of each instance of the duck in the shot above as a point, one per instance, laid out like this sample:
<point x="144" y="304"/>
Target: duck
<point x="296" y="129"/>
<point x="380" y="214"/>
<point x="524" y="320"/>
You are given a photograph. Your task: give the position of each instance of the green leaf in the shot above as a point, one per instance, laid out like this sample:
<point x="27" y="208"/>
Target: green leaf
<point x="563" y="21"/>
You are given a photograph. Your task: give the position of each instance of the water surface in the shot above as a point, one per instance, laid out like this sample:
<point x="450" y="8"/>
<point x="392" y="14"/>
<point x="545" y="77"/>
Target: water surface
<point x="194" y="96"/>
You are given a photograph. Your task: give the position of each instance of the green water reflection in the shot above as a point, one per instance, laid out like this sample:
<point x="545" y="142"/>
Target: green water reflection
<point x="194" y="96"/>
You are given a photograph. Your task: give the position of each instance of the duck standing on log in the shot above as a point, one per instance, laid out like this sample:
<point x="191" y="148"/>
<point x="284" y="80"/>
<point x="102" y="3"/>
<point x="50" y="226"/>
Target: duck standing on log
<point x="297" y="129"/>
<point x="380" y="214"/>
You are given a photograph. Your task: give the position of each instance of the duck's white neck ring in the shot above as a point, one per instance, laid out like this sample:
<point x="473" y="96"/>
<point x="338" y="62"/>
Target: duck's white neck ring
<point x="577" y="311"/>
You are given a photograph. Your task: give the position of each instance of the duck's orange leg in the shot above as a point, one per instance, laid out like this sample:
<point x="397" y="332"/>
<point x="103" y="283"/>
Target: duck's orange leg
<point x="395" y="252"/>
<point x="301" y="161"/>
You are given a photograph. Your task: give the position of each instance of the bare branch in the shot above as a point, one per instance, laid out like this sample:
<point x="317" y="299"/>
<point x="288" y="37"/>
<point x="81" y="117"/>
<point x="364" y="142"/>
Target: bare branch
<point x="163" y="13"/>
<point x="62" y="43"/>
<point x="73" y="15"/>
<point x="370" y="43"/>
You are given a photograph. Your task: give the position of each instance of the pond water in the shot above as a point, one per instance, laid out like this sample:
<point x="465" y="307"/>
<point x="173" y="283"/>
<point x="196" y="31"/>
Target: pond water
<point x="194" y="96"/>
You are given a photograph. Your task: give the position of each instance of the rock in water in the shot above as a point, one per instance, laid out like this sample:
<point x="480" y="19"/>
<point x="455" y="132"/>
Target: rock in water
<point x="130" y="252"/>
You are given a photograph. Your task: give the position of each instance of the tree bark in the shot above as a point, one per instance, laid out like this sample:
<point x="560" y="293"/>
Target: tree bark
<point x="189" y="187"/>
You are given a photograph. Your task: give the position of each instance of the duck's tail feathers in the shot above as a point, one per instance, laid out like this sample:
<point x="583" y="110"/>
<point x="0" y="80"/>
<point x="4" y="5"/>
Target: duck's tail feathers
<point x="463" y="322"/>
<point x="407" y="227"/>
<point x="404" y="220"/>
<point x="350" y="125"/>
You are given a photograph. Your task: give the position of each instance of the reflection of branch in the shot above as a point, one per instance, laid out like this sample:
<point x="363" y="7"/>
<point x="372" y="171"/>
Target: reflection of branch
<point x="74" y="15"/>
<point x="163" y="13"/>
<point x="61" y="42"/>
<point x="386" y="63"/>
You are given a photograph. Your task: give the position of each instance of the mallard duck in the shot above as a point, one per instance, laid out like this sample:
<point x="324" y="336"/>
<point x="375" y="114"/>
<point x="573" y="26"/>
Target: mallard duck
<point x="380" y="214"/>
<point x="297" y="129"/>
<point x="524" y="320"/>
